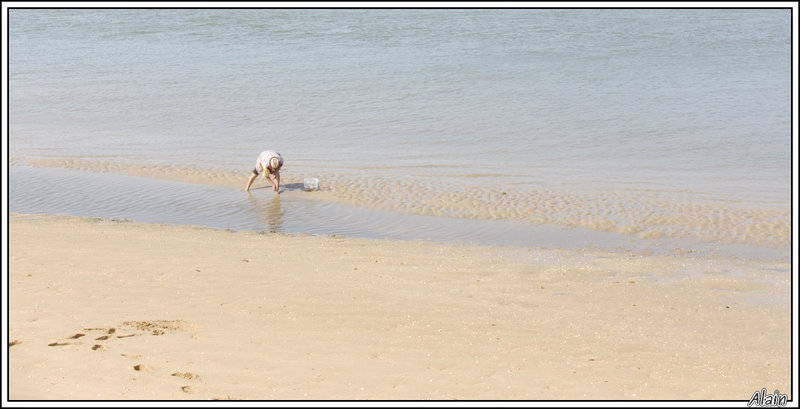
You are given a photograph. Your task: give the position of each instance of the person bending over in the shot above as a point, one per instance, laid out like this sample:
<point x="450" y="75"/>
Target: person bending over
<point x="270" y="163"/>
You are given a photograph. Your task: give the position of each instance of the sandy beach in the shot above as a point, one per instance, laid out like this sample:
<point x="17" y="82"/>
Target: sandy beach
<point x="546" y="204"/>
<point x="119" y="310"/>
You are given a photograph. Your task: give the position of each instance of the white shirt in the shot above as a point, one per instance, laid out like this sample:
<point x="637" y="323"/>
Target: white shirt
<point x="263" y="160"/>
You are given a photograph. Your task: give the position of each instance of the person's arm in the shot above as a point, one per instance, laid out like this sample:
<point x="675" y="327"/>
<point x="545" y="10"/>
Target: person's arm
<point x="276" y="184"/>
<point x="250" y="182"/>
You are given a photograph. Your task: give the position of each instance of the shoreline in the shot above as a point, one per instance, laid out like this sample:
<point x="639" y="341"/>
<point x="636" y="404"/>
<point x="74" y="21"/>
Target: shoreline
<point x="631" y="220"/>
<point x="104" y="309"/>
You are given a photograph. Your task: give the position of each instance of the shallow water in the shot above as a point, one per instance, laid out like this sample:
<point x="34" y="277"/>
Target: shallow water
<point x="296" y="211"/>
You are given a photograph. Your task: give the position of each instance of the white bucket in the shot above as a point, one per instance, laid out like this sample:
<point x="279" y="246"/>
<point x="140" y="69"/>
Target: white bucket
<point x="311" y="184"/>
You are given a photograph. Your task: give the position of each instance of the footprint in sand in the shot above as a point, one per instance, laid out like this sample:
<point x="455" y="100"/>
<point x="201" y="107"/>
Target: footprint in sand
<point x="157" y="327"/>
<point x="108" y="333"/>
<point x="185" y="375"/>
<point x="58" y="344"/>
<point x="77" y="336"/>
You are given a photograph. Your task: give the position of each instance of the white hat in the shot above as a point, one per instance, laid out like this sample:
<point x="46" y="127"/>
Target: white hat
<point x="274" y="163"/>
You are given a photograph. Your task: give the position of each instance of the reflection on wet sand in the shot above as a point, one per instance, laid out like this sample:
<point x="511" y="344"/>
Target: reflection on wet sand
<point x="269" y="212"/>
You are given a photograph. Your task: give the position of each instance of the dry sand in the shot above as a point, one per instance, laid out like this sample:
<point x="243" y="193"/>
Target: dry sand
<point x="103" y="309"/>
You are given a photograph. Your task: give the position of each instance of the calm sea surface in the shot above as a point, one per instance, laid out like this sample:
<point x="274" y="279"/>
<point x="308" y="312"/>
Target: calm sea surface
<point x="621" y="100"/>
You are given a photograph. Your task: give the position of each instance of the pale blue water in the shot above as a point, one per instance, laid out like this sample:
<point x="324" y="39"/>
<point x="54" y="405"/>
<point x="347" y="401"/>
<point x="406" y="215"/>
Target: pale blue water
<point x="695" y="99"/>
<point x="662" y="100"/>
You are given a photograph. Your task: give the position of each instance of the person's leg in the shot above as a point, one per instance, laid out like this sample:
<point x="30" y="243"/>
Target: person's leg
<point x="250" y="182"/>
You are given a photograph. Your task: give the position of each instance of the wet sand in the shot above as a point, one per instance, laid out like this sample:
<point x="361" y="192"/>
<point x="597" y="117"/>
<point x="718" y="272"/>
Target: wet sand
<point x="636" y="214"/>
<point x="105" y="309"/>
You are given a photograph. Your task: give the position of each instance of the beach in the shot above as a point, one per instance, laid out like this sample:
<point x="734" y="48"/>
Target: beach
<point x="528" y="204"/>
<point x="111" y="309"/>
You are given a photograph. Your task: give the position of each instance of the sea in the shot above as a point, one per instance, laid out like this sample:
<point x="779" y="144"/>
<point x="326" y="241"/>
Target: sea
<point x="639" y="128"/>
